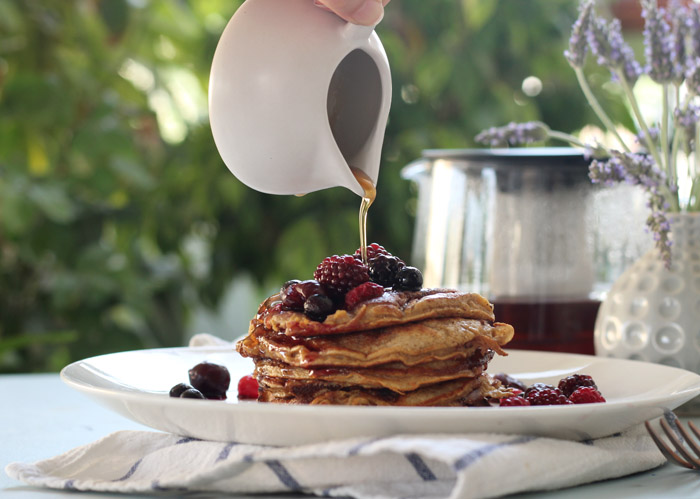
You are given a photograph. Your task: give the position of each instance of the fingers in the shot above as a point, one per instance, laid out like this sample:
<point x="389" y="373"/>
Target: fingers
<point x="365" y="12"/>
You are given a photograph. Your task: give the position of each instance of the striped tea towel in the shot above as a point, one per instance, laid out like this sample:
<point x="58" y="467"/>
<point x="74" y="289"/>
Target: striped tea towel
<point x="427" y="466"/>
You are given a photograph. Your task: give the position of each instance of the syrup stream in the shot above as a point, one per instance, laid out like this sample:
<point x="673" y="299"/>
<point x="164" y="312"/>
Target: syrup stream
<point x="370" y="192"/>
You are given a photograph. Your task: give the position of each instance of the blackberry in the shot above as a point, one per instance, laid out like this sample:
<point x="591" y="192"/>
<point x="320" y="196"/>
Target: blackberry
<point x="383" y="269"/>
<point x="547" y="396"/>
<point x="317" y="307"/>
<point x="339" y="274"/>
<point x="373" y="250"/>
<point x="211" y="379"/>
<point x="536" y="387"/>
<point x="571" y="383"/>
<point x="408" y="279"/>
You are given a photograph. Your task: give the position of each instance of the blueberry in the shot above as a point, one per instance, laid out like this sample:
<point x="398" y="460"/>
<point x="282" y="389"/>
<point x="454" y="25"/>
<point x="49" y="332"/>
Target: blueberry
<point x="191" y="393"/>
<point x="317" y="307"/>
<point x="408" y="279"/>
<point x="211" y="379"/>
<point x="177" y="390"/>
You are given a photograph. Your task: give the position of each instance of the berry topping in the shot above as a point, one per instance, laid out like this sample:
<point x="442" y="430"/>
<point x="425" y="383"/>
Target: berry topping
<point x="513" y="401"/>
<point x="586" y="395"/>
<point x="317" y="307"/>
<point x="373" y="250"/>
<point x="211" y="379"/>
<point x="510" y="382"/>
<point x="192" y="393"/>
<point x="339" y="274"/>
<point x="178" y="389"/>
<point x="363" y="292"/>
<point x="571" y="383"/>
<point x="294" y="293"/>
<point x="547" y="396"/>
<point x="383" y="269"/>
<point x="247" y="387"/>
<point x="408" y="279"/>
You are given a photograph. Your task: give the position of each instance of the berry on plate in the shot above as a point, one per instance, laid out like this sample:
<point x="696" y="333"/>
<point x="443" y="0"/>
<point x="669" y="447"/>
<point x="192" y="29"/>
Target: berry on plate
<point x="363" y="292"/>
<point x="571" y="383"/>
<point x="586" y="395"/>
<point x="339" y="274"/>
<point x="248" y="387"/>
<point x="547" y="396"/>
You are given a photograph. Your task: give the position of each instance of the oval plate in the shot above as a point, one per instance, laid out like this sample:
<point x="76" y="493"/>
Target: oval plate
<point x="136" y="384"/>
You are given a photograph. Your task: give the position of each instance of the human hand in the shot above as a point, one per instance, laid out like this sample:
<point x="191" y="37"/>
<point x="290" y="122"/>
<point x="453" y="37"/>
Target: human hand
<point x="365" y="12"/>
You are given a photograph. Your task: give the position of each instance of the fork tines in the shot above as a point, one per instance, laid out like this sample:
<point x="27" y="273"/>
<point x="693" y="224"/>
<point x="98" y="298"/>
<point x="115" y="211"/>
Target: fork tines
<point x="681" y="440"/>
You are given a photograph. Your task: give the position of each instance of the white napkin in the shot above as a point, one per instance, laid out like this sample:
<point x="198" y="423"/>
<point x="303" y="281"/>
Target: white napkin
<point x="426" y="466"/>
<point x="408" y="466"/>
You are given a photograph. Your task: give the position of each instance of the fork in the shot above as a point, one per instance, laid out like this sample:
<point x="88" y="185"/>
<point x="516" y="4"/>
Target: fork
<point x="681" y="440"/>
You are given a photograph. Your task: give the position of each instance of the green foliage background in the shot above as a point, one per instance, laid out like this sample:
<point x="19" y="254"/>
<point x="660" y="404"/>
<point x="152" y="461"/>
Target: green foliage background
<point x="117" y="215"/>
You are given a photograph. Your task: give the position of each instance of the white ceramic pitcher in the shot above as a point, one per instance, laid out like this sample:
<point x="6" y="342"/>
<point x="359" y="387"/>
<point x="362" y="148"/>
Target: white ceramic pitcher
<point x="297" y="96"/>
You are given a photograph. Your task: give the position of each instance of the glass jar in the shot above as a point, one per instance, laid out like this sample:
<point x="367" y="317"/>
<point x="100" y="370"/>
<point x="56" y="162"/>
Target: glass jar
<point x="527" y="229"/>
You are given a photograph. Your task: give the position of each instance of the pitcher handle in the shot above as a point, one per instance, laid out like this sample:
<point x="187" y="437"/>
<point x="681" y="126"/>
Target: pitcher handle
<point x="357" y="32"/>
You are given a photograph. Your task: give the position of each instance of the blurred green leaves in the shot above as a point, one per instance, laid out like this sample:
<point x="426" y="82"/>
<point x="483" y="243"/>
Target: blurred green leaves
<point x="117" y="215"/>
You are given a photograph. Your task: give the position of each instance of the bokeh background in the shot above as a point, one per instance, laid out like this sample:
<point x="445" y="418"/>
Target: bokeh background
<point x="121" y="228"/>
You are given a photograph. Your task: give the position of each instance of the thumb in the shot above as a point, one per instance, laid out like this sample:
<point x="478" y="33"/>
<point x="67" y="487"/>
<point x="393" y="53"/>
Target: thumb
<point x="365" y="12"/>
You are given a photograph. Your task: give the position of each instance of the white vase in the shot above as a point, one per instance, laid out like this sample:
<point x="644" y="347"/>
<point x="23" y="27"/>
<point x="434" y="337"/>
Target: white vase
<point x="652" y="313"/>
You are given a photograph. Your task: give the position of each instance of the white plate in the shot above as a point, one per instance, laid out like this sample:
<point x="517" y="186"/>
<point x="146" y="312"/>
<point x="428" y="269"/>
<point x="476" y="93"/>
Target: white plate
<point x="136" y="384"/>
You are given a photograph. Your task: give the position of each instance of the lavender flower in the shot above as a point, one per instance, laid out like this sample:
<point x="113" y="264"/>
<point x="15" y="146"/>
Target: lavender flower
<point x="576" y="54"/>
<point x="514" y="134"/>
<point x="694" y="29"/>
<point x="637" y="169"/>
<point x="686" y="121"/>
<point x="606" y="42"/>
<point x="692" y="76"/>
<point x="658" y="43"/>
<point x="681" y="23"/>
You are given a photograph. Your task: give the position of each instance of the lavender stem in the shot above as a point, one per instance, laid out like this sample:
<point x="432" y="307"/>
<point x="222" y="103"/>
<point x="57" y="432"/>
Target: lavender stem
<point x="664" y="133"/>
<point x="565" y="137"/>
<point x="597" y="108"/>
<point x="643" y="125"/>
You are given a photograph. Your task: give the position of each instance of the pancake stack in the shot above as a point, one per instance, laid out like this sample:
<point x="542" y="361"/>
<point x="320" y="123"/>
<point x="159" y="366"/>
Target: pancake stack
<point x="407" y="348"/>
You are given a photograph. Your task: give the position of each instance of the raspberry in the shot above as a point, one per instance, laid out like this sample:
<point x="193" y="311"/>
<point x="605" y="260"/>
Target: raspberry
<point x="571" y="383"/>
<point x="373" y="250"/>
<point x="383" y="269"/>
<point x="586" y="395"/>
<point x="513" y="401"/>
<point x="547" y="396"/>
<point x="339" y="274"/>
<point x="363" y="292"/>
<point x="247" y="387"/>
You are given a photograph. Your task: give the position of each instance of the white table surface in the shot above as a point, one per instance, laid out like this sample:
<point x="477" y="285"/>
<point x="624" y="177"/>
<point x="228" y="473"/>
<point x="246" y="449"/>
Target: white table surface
<point x="41" y="417"/>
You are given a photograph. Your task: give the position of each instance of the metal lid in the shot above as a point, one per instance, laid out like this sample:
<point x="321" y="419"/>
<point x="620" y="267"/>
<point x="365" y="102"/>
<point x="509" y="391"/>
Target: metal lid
<point x="517" y="156"/>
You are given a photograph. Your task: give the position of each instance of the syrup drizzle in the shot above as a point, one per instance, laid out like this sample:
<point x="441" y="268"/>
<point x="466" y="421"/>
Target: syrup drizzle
<point x="370" y="192"/>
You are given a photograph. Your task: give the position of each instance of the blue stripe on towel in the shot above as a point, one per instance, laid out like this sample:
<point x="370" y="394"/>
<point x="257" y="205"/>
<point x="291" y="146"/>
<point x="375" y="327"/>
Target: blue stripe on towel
<point x="186" y="440"/>
<point x="471" y="457"/>
<point x="283" y="474"/>
<point x="355" y="450"/>
<point x="68" y="485"/>
<point x="130" y="472"/>
<point x="421" y="468"/>
<point x="225" y="451"/>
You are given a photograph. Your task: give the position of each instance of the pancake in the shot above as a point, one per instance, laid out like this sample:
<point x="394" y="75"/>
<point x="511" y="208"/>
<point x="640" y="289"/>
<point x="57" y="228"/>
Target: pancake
<point x="462" y="392"/>
<point x="406" y="348"/>
<point x="394" y="376"/>
<point x="390" y="309"/>
<point x="411" y="344"/>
